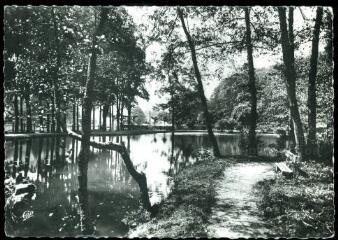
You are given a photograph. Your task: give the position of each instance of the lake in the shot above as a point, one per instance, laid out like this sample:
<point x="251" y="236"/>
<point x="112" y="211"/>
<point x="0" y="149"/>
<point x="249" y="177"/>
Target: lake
<point x="112" y="192"/>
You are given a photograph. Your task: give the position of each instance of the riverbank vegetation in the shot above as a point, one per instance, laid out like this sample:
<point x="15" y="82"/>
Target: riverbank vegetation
<point x="185" y="212"/>
<point x="299" y="207"/>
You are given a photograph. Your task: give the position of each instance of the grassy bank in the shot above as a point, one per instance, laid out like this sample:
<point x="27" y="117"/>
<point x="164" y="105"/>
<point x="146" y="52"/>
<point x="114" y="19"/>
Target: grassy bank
<point x="300" y="207"/>
<point x="185" y="211"/>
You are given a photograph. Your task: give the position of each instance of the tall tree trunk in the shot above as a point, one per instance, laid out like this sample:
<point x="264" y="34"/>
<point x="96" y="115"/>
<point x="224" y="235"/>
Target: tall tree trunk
<point x="105" y="111"/>
<point x="129" y="116"/>
<point x="200" y="85"/>
<point x="312" y="101"/>
<point x="291" y="36"/>
<point x="21" y="114"/>
<point x="111" y="122"/>
<point x="94" y="117"/>
<point x="16" y="113"/>
<point x="252" y="87"/>
<point x="86" y="225"/>
<point x="56" y="100"/>
<point x="117" y="114"/>
<point x="48" y="122"/>
<point x="100" y="116"/>
<point x="74" y="117"/>
<point x="40" y="122"/>
<point x="121" y="114"/>
<point x="290" y="76"/>
<point x="29" y="113"/>
<point x="53" y="116"/>
<point x="77" y="118"/>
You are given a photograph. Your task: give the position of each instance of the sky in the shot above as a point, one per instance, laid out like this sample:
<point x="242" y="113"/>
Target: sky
<point x="139" y="15"/>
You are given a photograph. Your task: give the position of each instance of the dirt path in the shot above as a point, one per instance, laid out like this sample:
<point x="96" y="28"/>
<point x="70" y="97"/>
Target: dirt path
<point x="235" y="214"/>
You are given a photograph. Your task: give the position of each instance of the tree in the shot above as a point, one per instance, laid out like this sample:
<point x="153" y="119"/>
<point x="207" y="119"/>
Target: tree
<point x="86" y="126"/>
<point x="252" y="87"/>
<point x="290" y="82"/>
<point x="138" y="115"/>
<point x="200" y="85"/>
<point x="312" y="99"/>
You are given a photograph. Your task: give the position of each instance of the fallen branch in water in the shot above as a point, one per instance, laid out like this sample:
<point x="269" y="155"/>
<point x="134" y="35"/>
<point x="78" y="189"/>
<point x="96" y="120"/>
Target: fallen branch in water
<point x="140" y="178"/>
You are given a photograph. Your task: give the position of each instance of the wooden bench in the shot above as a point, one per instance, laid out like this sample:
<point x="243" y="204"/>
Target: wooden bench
<point x="284" y="169"/>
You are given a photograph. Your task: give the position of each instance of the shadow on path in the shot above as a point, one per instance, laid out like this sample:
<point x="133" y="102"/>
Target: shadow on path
<point x="235" y="214"/>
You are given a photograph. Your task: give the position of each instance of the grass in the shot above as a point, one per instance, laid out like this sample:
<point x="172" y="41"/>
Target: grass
<point x="186" y="210"/>
<point x="299" y="207"/>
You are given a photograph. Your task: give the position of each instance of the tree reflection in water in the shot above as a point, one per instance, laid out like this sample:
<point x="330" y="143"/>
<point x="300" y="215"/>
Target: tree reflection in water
<point x="110" y="192"/>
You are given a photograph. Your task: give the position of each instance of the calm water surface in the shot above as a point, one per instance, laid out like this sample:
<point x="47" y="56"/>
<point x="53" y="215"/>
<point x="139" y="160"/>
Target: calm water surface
<point x="112" y="192"/>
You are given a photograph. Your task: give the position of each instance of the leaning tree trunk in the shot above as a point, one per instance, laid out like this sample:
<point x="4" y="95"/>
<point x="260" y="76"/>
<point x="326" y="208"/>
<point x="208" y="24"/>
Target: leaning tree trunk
<point x="290" y="76"/>
<point x="252" y="87"/>
<point x="200" y="85"/>
<point x="312" y="101"/>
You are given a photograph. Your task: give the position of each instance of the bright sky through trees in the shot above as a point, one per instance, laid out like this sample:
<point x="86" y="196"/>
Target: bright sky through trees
<point x="153" y="52"/>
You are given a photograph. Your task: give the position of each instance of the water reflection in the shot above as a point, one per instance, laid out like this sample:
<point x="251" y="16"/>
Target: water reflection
<point x="111" y="192"/>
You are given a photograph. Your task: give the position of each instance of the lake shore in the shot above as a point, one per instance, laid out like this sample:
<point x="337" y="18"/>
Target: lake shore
<point x="9" y="136"/>
<point x="186" y="211"/>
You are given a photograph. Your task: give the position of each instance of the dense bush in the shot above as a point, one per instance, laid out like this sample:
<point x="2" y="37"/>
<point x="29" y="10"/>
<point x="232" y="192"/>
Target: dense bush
<point x="225" y="124"/>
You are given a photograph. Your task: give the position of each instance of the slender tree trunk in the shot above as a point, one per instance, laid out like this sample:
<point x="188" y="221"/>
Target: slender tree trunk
<point x="48" y="122"/>
<point x="291" y="36"/>
<point x="252" y="87"/>
<point x="21" y="114"/>
<point x="121" y="115"/>
<point x="77" y="118"/>
<point x="56" y="100"/>
<point x="94" y="117"/>
<point x="312" y="101"/>
<point x="16" y="113"/>
<point x="40" y="122"/>
<point x="74" y="117"/>
<point x="111" y="122"/>
<point x="53" y="116"/>
<point x="29" y="113"/>
<point x="100" y="116"/>
<point x="105" y="111"/>
<point x="290" y="75"/>
<point x="292" y="59"/>
<point x="117" y="114"/>
<point x="129" y="117"/>
<point x="200" y="85"/>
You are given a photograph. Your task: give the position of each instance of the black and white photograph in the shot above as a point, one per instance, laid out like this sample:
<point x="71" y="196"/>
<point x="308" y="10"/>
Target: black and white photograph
<point x="145" y="121"/>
